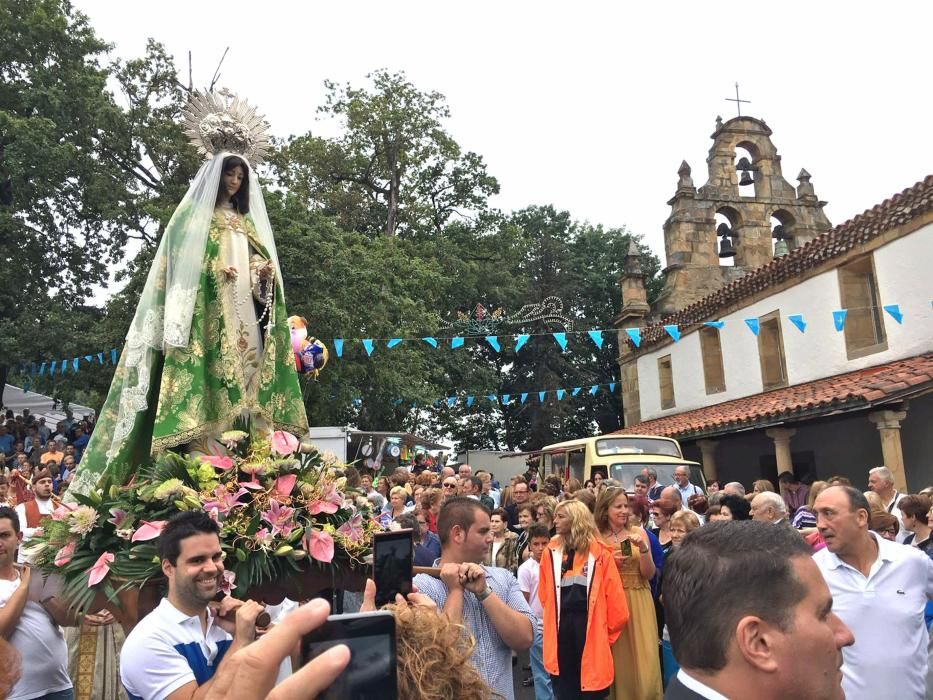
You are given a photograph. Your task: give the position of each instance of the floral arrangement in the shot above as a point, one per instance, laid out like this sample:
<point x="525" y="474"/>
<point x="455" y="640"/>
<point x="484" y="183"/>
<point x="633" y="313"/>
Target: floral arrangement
<point x="280" y="504"/>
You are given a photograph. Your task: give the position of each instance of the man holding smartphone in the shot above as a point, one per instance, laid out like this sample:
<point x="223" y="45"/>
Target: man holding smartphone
<point x="487" y="600"/>
<point x="174" y="652"/>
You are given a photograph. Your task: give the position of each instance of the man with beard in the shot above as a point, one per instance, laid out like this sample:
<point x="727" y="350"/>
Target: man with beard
<point x="174" y="652"/>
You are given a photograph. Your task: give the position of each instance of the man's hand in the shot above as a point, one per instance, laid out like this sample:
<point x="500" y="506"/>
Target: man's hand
<point x="224" y="613"/>
<point x="451" y="576"/>
<point x="473" y="578"/>
<point x="255" y="668"/>
<point x="413" y="598"/>
<point x="245" y="617"/>
<point x="99" y="619"/>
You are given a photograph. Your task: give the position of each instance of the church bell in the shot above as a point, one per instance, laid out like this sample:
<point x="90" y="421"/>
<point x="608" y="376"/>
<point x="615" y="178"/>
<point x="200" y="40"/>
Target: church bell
<point x="744" y="166"/>
<point x="746" y="179"/>
<point x="726" y="249"/>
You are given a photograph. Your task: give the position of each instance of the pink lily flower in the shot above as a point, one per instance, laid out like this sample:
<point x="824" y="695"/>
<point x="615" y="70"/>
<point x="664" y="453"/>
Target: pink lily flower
<point x="224" y="500"/>
<point x="329" y="503"/>
<point x="284" y="443"/>
<point x="280" y="518"/>
<point x="319" y="545"/>
<point x="147" y="531"/>
<point x="119" y="519"/>
<point x="62" y="511"/>
<point x="100" y="569"/>
<point x="353" y="528"/>
<point x="263" y="537"/>
<point x="284" y="484"/>
<point x="226" y="583"/>
<point x="224" y="463"/>
<point x="63" y="555"/>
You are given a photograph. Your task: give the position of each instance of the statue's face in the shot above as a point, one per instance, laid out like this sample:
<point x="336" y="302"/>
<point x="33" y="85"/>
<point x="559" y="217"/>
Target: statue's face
<point x="233" y="179"/>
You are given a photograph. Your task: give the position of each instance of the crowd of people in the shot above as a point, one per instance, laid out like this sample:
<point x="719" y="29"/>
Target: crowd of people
<point x="800" y="590"/>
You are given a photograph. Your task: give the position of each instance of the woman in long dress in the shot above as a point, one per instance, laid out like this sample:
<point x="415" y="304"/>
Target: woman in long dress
<point x="635" y="652"/>
<point x="209" y="343"/>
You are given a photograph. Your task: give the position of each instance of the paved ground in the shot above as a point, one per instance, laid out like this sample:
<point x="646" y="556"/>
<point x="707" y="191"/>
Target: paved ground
<point x="522" y="693"/>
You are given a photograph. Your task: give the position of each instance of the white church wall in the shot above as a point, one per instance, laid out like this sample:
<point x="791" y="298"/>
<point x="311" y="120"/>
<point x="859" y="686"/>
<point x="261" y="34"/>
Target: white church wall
<point x="904" y="277"/>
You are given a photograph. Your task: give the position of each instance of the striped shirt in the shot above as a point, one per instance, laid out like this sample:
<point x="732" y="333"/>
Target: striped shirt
<point x="491" y="656"/>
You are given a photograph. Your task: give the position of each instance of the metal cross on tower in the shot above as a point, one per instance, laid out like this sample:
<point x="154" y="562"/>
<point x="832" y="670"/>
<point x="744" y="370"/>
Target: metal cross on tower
<point x="738" y="102"/>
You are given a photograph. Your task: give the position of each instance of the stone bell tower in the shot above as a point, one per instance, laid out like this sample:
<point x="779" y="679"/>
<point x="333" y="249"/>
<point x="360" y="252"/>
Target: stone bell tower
<point x="760" y="215"/>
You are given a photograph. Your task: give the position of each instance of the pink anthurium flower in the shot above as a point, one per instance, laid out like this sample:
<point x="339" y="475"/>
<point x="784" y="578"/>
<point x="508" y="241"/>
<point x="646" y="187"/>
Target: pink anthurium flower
<point x="224" y="500"/>
<point x="224" y="463"/>
<point x="280" y="518"/>
<point x="254" y="485"/>
<point x="147" y="531"/>
<point x="353" y="528"/>
<point x="284" y="443"/>
<point x="63" y="555"/>
<point x="226" y="583"/>
<point x="319" y="545"/>
<point x="119" y="518"/>
<point x="100" y="569"/>
<point x="285" y="483"/>
<point x="329" y="503"/>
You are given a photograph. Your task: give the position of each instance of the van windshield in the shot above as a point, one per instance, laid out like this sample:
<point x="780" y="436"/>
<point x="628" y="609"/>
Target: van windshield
<point x="623" y="445"/>
<point x="625" y="473"/>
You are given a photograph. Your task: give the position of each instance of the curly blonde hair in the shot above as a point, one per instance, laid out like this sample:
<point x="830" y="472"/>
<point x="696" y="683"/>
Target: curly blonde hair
<point x="434" y="657"/>
<point x="582" y="526"/>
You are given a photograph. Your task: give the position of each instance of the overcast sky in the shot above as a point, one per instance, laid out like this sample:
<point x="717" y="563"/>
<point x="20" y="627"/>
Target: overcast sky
<point x="591" y="106"/>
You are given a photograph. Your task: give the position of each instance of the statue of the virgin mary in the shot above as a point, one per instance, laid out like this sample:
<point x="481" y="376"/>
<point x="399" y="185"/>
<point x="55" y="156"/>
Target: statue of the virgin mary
<point x="209" y="343"/>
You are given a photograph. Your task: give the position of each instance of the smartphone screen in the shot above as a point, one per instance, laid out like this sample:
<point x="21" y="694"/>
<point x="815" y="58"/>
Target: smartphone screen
<point x="393" y="556"/>
<point x="626" y="547"/>
<point x="370" y="675"/>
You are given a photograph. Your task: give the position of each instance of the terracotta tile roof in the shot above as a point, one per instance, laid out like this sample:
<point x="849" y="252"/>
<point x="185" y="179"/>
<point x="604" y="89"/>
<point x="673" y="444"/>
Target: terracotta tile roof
<point x="891" y="213"/>
<point x="842" y="391"/>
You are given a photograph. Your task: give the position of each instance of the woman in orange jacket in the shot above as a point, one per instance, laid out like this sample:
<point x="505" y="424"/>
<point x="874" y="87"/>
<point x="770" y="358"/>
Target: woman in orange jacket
<point x="584" y="606"/>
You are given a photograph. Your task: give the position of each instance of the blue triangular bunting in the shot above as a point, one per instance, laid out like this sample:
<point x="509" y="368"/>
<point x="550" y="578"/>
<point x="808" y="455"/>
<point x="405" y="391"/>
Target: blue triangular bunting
<point x="338" y="346"/>
<point x="839" y="319"/>
<point x="430" y="341"/>
<point x="524" y="396"/>
<point x="505" y="399"/>
<point x="561" y="339"/>
<point x="753" y="325"/>
<point x="100" y="358"/>
<point x="715" y="324"/>
<point x="673" y="331"/>
<point x="612" y="387"/>
<point x="492" y="398"/>
<point x="368" y="345"/>
<point x="541" y="396"/>
<point x="560" y="394"/>
<point x="494" y="342"/>
<point x="52" y="368"/>
<point x="451" y="400"/>
<point x="596" y="337"/>
<point x="895" y="312"/>
<point x="634" y="335"/>
<point x="113" y="356"/>
<point x="798" y="321"/>
<point x="520" y="340"/>
<point x="456" y="343"/>
<point x="576" y="390"/>
<point x="594" y="389"/>
<point x="469" y="401"/>
<point x="42" y="369"/>
<point x="393" y="342"/>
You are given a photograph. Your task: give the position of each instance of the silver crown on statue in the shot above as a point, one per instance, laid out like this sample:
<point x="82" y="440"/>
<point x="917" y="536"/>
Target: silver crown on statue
<point x="219" y="121"/>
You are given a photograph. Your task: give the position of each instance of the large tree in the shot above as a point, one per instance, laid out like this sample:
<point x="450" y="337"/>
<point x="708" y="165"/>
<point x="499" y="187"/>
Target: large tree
<point x="394" y="169"/>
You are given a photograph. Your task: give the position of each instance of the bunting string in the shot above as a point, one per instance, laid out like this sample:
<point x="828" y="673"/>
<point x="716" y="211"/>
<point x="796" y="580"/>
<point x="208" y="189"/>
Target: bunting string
<point x="498" y="343"/>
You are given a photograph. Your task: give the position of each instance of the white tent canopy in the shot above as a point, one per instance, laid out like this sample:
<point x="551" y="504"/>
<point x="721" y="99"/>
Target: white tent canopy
<point x="15" y="399"/>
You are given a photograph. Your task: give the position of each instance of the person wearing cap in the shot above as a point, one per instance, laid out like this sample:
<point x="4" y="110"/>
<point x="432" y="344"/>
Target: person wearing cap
<point x="31" y="513"/>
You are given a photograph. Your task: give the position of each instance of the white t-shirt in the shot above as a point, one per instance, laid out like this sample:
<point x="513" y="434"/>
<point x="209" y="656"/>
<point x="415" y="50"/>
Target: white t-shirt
<point x="167" y="649"/>
<point x="41" y="644"/>
<point x="528" y="576"/>
<point x="885" y="613"/>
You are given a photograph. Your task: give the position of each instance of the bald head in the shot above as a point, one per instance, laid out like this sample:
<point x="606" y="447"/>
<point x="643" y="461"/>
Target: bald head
<point x="671" y="495"/>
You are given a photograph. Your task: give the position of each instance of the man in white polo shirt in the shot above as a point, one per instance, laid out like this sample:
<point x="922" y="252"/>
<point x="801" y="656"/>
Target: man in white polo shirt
<point x="880" y="589"/>
<point x="174" y="652"/>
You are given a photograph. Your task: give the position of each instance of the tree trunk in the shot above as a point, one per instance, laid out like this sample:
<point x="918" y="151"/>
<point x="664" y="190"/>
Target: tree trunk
<point x="394" y="186"/>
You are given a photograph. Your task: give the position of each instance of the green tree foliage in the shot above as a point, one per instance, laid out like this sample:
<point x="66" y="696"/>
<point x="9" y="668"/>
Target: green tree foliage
<point x="394" y="170"/>
<point x="379" y="230"/>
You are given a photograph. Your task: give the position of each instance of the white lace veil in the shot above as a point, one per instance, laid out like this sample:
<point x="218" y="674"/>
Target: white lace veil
<point x="161" y="321"/>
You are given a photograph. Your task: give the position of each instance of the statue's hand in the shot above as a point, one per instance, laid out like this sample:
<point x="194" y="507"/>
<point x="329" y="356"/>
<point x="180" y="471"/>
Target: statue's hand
<point x="230" y="272"/>
<point x="266" y="270"/>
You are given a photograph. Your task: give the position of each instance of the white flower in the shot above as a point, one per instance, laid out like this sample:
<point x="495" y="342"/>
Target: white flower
<point x="125" y="533"/>
<point x="83" y="519"/>
<point x="328" y="458"/>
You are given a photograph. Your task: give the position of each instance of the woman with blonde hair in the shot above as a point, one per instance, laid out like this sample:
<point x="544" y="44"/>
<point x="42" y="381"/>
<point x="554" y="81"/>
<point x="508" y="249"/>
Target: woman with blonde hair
<point x="762" y="485"/>
<point x="875" y="502"/>
<point x="634" y="654"/>
<point x="584" y="606"/>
